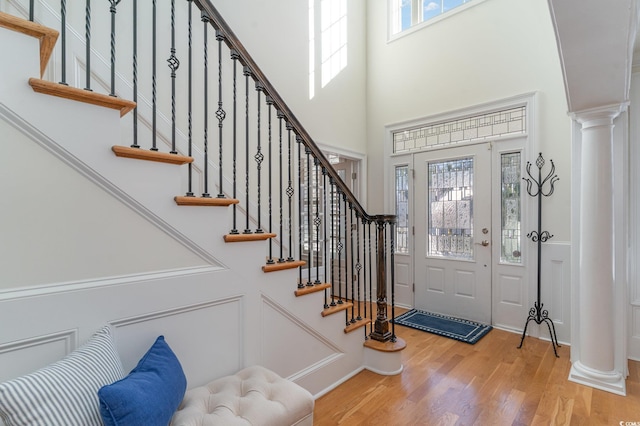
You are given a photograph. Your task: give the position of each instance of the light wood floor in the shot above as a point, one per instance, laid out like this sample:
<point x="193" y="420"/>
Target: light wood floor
<point x="445" y="382"/>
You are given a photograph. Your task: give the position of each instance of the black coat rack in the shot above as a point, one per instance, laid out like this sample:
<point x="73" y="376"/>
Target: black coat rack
<point x="535" y="189"/>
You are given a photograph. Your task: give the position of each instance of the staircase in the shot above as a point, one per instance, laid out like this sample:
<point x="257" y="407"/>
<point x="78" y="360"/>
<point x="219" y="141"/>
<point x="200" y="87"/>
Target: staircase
<point x="233" y="181"/>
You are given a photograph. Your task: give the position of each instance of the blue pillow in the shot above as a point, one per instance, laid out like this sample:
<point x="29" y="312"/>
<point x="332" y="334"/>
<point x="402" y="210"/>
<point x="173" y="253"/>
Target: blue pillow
<point x="150" y="394"/>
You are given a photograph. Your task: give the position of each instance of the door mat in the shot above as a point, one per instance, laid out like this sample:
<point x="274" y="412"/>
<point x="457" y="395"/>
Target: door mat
<point x="451" y="327"/>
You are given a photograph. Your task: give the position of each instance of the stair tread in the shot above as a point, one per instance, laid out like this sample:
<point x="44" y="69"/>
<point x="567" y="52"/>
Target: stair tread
<point x="47" y="36"/>
<point x="204" y="201"/>
<point x="281" y="266"/>
<point x="389" y="346"/>
<point x="357" y="324"/>
<point x="339" y="307"/>
<point x="256" y="236"/>
<point x="311" y="289"/>
<point x="81" y="95"/>
<point x="147" y="155"/>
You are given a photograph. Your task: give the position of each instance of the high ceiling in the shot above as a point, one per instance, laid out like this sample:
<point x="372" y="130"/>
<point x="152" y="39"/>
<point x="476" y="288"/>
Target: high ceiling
<point x="596" y="45"/>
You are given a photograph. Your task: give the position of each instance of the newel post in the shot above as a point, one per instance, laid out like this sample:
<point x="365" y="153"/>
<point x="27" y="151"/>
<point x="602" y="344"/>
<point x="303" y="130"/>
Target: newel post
<point x="381" y="331"/>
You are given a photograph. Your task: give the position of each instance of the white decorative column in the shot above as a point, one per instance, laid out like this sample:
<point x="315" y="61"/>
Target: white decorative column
<point x="594" y="358"/>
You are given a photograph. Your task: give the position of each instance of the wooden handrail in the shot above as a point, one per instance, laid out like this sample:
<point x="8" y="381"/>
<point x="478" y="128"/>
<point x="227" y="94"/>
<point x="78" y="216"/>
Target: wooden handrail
<point x="245" y="59"/>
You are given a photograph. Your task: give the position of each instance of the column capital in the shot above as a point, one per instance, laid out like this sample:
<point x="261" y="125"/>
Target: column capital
<point x="599" y="116"/>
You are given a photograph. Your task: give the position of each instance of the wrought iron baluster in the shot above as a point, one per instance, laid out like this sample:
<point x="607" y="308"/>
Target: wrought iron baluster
<point x="259" y="157"/>
<point x="63" y="42"/>
<point x="340" y="245"/>
<point x="333" y="242"/>
<point x="324" y="217"/>
<point x="367" y="302"/>
<point x="358" y="264"/>
<point x="234" y="57"/>
<point x="280" y="186"/>
<point x="350" y="276"/>
<point x="247" y="74"/>
<point x="290" y="192"/>
<point x="392" y="277"/>
<point x="154" y="83"/>
<point x="269" y="101"/>
<point x="190" y="98"/>
<point x="205" y="21"/>
<point x="31" y="18"/>
<point x="87" y="41"/>
<point x="316" y="221"/>
<point x="112" y="10"/>
<point x="135" y="72"/>
<point x="309" y="227"/>
<point x="301" y="192"/>
<point x="174" y="64"/>
<point x="220" y="114"/>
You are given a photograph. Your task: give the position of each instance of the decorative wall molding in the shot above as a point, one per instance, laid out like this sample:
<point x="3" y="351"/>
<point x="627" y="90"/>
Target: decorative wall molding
<point x="63" y="287"/>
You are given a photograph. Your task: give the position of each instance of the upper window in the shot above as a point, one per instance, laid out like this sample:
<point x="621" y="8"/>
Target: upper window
<point x="406" y="14"/>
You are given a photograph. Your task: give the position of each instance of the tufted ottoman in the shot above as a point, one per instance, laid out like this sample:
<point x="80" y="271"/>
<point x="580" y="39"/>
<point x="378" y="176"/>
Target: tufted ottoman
<point x="253" y="396"/>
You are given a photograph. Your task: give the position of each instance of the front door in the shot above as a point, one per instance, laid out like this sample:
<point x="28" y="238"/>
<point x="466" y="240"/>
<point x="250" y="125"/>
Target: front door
<point x="453" y="232"/>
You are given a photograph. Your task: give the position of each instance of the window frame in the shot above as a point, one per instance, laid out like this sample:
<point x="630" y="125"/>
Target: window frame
<point x="416" y="17"/>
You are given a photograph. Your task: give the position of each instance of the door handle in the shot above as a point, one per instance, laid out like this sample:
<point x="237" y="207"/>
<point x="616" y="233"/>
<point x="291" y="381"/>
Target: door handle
<point x="484" y="243"/>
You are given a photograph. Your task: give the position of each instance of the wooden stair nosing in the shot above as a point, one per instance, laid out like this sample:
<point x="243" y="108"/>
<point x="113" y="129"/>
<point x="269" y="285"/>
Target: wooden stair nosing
<point x="356" y="325"/>
<point x="147" y="155"/>
<point x="81" y="95"/>
<point x="281" y="266"/>
<point x="256" y="236"/>
<point x="339" y="307"/>
<point x="311" y="289"/>
<point x="204" y="201"/>
<point x="388" y="346"/>
<point x="47" y="36"/>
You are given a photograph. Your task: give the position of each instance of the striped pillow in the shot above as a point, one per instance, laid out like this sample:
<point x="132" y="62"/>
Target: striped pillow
<point x="65" y="392"/>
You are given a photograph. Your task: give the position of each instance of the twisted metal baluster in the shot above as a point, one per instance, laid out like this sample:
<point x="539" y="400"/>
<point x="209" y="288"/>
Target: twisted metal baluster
<point x="269" y="101"/>
<point x="358" y="264"/>
<point x="63" y="41"/>
<point x="301" y="191"/>
<point x="220" y="113"/>
<point x="154" y="83"/>
<point x="316" y="221"/>
<point x="340" y="246"/>
<point x="247" y="74"/>
<point x="280" y="186"/>
<point x="333" y="241"/>
<point x="87" y="41"/>
<point x="259" y="157"/>
<point x="290" y="192"/>
<point x="392" y="277"/>
<point x="350" y="275"/>
<point x="135" y="73"/>
<point x="310" y="229"/>
<point x="235" y="56"/>
<point x="174" y="64"/>
<point x="112" y="10"/>
<point x="190" y="100"/>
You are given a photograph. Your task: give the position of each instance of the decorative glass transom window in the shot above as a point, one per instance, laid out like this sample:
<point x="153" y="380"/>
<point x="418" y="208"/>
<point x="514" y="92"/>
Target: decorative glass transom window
<point x="477" y="128"/>
<point x="409" y="13"/>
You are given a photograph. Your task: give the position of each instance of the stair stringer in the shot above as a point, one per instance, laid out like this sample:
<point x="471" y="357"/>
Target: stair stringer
<point x="84" y="135"/>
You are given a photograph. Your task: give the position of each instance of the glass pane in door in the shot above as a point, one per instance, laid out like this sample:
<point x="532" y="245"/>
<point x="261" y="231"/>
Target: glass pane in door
<point x="450" y="221"/>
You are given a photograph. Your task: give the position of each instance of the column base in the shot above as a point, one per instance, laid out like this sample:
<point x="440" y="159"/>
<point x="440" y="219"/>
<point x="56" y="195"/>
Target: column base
<point x="610" y="381"/>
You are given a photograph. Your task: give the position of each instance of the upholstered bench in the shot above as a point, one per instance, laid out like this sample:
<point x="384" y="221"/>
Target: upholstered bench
<point x="253" y="396"/>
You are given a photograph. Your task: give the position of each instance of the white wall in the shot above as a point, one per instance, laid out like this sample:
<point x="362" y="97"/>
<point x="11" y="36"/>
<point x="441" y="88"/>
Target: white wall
<point x="491" y="51"/>
<point x="276" y="35"/>
<point x="58" y="226"/>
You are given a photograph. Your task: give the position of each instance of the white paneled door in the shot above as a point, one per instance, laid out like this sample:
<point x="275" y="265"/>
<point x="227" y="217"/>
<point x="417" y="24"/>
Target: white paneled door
<point x="453" y="244"/>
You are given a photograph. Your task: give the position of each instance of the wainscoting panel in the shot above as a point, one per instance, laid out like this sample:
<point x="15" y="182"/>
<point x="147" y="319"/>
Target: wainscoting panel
<point x="290" y="346"/>
<point x="30" y="354"/>
<point x="195" y="334"/>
